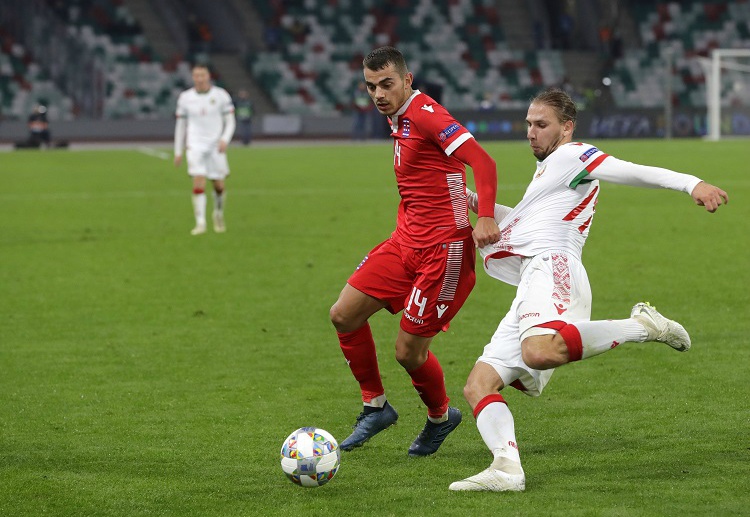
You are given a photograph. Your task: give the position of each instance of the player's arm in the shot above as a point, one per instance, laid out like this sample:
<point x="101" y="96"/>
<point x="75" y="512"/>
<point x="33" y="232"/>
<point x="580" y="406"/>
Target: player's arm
<point x="485" y="178"/>
<point x="229" y="126"/>
<point x="473" y="200"/>
<point x="626" y="173"/>
<point x="180" y="128"/>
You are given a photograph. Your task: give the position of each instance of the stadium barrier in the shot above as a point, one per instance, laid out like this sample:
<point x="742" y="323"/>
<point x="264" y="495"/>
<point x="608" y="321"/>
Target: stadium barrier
<point x="485" y="125"/>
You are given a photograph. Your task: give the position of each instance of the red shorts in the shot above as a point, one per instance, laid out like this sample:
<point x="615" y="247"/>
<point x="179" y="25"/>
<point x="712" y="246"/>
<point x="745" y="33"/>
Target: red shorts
<point x="429" y="284"/>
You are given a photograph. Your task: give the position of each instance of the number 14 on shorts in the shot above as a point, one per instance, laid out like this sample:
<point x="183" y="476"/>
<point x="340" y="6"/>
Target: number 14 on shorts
<point x="417" y="299"/>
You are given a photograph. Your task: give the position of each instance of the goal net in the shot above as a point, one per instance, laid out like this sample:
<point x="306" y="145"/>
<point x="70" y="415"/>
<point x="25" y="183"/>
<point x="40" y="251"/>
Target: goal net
<point x="727" y="93"/>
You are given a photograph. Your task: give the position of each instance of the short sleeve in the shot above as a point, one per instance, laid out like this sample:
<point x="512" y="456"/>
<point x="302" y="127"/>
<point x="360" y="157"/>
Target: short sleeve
<point x="439" y="126"/>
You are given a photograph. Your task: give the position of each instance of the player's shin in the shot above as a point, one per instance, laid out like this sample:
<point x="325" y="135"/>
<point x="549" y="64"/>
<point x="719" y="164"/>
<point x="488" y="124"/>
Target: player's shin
<point x="589" y="338"/>
<point x="497" y="428"/>
<point x="359" y="350"/>
<point x="429" y="382"/>
<point x="219" y="198"/>
<point x="199" y="206"/>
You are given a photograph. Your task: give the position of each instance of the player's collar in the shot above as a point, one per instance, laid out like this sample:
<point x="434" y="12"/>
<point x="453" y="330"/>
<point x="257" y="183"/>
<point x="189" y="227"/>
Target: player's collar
<point x="403" y="108"/>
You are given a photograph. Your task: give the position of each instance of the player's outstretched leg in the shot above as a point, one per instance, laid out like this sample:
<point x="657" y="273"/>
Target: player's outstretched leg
<point x="370" y="422"/>
<point x="660" y="328"/>
<point x="434" y="434"/>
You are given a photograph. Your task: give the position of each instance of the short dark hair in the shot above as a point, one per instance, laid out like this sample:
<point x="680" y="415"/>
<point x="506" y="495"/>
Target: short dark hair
<point x="201" y="65"/>
<point x="560" y="102"/>
<point x="384" y="56"/>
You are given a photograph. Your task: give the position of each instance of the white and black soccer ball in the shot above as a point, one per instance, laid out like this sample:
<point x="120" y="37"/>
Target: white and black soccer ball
<point x="310" y="457"/>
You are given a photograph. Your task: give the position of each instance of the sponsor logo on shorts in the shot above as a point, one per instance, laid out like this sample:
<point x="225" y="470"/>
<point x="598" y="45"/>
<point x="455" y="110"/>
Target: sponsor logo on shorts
<point x="585" y="156"/>
<point x="529" y="315"/>
<point x="513" y="444"/>
<point x="448" y="131"/>
<point x="413" y="319"/>
<point x="441" y="310"/>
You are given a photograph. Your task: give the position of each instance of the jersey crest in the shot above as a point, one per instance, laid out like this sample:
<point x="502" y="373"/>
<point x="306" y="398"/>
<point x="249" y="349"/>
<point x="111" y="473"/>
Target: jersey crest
<point x="407" y="128"/>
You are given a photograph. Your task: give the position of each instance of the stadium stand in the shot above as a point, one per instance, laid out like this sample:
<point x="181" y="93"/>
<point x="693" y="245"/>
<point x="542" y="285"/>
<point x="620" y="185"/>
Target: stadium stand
<point x="23" y="84"/>
<point x="314" y="52"/>
<point x="137" y="83"/>
<point x="681" y="32"/>
<point x="101" y="58"/>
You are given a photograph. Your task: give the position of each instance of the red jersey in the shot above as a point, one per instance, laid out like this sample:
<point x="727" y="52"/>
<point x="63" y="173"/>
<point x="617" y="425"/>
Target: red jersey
<point x="431" y="182"/>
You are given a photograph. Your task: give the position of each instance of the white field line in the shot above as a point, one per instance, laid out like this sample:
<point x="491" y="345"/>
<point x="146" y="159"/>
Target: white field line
<point x="150" y="151"/>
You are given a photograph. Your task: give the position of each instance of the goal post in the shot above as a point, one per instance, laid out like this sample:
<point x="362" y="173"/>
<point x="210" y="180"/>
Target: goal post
<point x="725" y="65"/>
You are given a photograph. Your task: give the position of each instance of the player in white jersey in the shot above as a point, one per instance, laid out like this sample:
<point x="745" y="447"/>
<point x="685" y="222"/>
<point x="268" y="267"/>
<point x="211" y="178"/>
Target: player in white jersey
<point x="206" y="113"/>
<point x="548" y="324"/>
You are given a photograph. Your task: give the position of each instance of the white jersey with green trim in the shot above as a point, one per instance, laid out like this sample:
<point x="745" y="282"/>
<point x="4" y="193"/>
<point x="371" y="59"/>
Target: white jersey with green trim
<point x="558" y="207"/>
<point x="555" y="213"/>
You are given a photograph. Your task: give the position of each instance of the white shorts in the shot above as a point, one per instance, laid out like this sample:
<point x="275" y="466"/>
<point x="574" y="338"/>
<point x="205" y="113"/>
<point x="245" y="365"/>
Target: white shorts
<point x="554" y="290"/>
<point x="207" y="162"/>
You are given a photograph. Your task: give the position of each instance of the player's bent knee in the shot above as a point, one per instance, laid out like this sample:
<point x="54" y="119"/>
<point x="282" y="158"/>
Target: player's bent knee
<point x="534" y="357"/>
<point x="471" y="392"/>
<point x="338" y="319"/>
<point x="409" y="358"/>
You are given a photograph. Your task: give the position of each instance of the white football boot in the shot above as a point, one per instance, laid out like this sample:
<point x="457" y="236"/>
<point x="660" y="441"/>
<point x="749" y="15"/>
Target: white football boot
<point x="660" y="328"/>
<point x="198" y="230"/>
<point x="503" y="475"/>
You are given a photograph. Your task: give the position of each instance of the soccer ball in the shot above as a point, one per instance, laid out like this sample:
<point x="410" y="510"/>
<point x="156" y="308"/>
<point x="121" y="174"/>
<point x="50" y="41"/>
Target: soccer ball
<point x="310" y="457"/>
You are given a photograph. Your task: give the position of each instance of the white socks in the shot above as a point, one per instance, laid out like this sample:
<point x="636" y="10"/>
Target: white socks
<point x="599" y="336"/>
<point x="378" y="401"/>
<point x="439" y="420"/>
<point x="219" y="202"/>
<point x="495" y="424"/>
<point x="199" y="208"/>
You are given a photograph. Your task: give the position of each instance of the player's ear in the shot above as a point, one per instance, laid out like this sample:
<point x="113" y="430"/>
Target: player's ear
<point x="568" y="127"/>
<point x="408" y="80"/>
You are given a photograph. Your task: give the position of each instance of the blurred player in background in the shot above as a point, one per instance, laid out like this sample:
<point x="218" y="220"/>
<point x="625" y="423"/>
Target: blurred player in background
<point x="206" y="113"/>
<point x="244" y="111"/>
<point x="548" y="324"/>
<point x="426" y="267"/>
<point x="39" y="133"/>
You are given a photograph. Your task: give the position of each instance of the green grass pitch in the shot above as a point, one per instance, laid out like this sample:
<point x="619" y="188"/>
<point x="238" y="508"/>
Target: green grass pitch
<point x="147" y="372"/>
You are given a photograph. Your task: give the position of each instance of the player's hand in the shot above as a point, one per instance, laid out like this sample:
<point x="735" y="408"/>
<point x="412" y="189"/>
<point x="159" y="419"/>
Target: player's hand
<point x="177" y="160"/>
<point x="486" y="232"/>
<point x="222" y="146"/>
<point x="709" y="196"/>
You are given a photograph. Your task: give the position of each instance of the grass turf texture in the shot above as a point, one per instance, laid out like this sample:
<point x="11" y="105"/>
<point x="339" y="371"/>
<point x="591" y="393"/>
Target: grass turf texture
<point x="148" y="372"/>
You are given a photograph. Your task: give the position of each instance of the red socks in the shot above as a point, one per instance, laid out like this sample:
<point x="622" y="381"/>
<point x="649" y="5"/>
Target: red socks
<point x="429" y="382"/>
<point x="573" y="341"/>
<point x="359" y="350"/>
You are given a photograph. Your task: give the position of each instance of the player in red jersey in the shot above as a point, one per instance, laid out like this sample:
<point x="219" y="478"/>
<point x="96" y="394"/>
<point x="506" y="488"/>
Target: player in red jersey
<point x="426" y="267"/>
